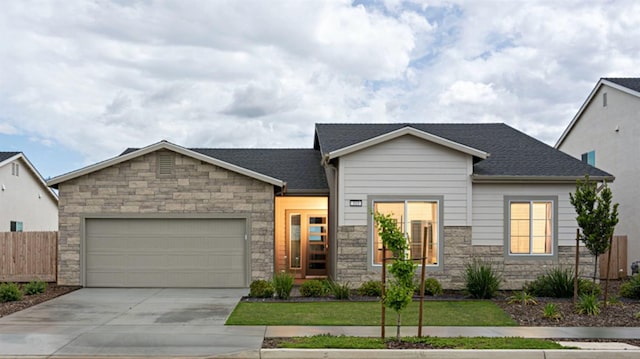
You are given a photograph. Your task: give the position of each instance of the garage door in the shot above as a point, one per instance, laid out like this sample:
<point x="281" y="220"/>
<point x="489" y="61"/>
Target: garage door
<point x="165" y="253"/>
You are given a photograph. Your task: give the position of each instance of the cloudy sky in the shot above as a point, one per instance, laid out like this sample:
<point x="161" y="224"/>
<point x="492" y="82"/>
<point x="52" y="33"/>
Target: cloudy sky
<point x="80" y="81"/>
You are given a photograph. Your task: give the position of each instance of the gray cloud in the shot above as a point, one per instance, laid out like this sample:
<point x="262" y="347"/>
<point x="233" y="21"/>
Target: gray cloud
<point x="97" y="77"/>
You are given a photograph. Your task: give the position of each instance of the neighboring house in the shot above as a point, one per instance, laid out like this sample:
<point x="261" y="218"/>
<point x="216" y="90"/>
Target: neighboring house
<point x="606" y="133"/>
<point x="26" y="202"/>
<point x="168" y="216"/>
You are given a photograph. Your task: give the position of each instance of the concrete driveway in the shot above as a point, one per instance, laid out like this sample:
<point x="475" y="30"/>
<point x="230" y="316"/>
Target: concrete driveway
<point x="123" y="322"/>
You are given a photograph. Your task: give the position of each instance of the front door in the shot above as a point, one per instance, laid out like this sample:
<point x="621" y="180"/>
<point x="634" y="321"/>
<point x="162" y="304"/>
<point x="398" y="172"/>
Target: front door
<point x="307" y="243"/>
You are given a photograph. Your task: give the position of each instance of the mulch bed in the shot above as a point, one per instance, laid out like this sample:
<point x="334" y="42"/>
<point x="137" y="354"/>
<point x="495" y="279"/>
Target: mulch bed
<point x="621" y="314"/>
<point x="53" y="290"/>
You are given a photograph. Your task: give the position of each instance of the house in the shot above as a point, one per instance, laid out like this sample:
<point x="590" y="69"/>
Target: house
<point x="604" y="133"/>
<point x="169" y="216"/>
<point x="26" y="202"/>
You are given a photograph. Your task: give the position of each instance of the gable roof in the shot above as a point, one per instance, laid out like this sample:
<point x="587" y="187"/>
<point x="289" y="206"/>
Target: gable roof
<point x="513" y="155"/>
<point x="297" y="169"/>
<point x="629" y="85"/>
<point x="167" y="146"/>
<point x="402" y="131"/>
<point x="8" y="157"/>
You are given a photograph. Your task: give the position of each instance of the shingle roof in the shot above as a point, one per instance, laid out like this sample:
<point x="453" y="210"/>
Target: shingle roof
<point x="300" y="168"/>
<point x="512" y="153"/>
<point x="632" y="83"/>
<point x="6" y="155"/>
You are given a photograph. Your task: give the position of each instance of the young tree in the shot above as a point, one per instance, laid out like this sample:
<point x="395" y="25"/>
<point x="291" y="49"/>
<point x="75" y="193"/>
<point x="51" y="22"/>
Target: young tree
<point x="400" y="291"/>
<point x="596" y="218"/>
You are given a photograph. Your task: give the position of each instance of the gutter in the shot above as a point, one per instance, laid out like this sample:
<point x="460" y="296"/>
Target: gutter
<point x="536" y="179"/>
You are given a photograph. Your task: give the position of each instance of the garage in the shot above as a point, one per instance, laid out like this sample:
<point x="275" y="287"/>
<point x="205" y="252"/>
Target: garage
<point x="161" y="252"/>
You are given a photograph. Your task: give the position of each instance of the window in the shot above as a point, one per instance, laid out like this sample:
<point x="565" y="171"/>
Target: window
<point x="589" y="158"/>
<point x="15" y="169"/>
<point x="15" y="226"/>
<point x="531" y="227"/>
<point x="418" y="220"/>
<point x="604" y="99"/>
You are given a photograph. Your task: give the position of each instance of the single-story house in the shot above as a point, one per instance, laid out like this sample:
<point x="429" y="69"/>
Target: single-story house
<point x="27" y="204"/>
<point x="169" y="216"/>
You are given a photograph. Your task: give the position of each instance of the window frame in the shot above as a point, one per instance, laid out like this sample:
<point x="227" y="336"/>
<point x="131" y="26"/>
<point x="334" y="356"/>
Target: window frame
<point x="16" y="226"/>
<point x="507" y="227"/>
<point x="439" y="200"/>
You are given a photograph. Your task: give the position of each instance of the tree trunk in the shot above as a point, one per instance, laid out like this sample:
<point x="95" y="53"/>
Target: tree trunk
<point x="398" y="329"/>
<point x="595" y="270"/>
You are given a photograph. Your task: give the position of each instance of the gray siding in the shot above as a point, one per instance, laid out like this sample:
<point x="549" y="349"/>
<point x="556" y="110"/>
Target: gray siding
<point x="488" y="210"/>
<point x="405" y="166"/>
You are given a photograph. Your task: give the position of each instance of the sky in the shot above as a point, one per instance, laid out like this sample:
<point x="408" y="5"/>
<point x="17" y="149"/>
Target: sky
<point x="80" y="81"/>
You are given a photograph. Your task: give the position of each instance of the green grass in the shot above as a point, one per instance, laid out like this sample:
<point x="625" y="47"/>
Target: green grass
<point x="437" y="313"/>
<point x="344" y="342"/>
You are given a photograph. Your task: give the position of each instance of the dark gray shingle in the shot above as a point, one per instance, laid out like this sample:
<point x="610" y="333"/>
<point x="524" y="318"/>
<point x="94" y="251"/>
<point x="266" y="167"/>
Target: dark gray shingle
<point x="6" y="155"/>
<point x="512" y="153"/>
<point x="632" y="83"/>
<point x="300" y="168"/>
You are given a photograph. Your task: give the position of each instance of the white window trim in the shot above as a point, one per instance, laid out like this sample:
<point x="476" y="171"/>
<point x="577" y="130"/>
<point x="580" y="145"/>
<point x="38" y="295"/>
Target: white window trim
<point x="439" y="200"/>
<point x="507" y="226"/>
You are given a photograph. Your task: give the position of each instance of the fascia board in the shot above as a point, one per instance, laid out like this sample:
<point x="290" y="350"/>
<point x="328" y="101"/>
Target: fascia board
<point x="536" y="179"/>
<point x="408" y="131"/>
<point x="33" y="170"/>
<point x="168" y="146"/>
<point x="588" y="101"/>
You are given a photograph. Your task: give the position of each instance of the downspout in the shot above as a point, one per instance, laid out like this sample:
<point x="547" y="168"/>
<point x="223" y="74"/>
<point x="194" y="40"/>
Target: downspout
<point x="332" y="178"/>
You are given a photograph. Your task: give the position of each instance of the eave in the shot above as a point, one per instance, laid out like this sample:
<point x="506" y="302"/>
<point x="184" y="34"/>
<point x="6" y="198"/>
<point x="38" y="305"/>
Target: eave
<point x="408" y="131"/>
<point x="33" y="170"/>
<point x="536" y="179"/>
<point x="588" y="101"/>
<point x="54" y="182"/>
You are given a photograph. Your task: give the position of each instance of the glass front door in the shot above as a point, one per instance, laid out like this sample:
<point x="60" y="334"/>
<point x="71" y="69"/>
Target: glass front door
<point x="307" y="243"/>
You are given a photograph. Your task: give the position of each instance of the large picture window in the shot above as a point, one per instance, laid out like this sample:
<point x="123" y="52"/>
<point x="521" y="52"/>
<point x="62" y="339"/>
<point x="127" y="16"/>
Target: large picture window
<point x="418" y="220"/>
<point x="531" y="227"/>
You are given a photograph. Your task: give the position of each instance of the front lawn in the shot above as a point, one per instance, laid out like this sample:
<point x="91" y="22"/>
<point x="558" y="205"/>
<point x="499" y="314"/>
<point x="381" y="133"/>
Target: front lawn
<point x="436" y="313"/>
<point x="344" y="342"/>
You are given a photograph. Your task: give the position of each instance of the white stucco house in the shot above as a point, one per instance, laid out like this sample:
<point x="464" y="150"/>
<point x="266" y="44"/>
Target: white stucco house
<point x="27" y="204"/>
<point x="605" y="132"/>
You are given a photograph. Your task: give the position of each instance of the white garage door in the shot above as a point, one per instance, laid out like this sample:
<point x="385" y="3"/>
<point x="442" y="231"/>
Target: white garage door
<point x="165" y="253"/>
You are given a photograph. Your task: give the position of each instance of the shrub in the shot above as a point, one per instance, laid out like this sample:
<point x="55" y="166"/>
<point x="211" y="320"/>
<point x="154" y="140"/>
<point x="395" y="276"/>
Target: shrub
<point x="431" y="287"/>
<point x="551" y="312"/>
<point x="631" y="289"/>
<point x="35" y="287"/>
<point x="9" y="292"/>
<point x="372" y="288"/>
<point x="557" y="283"/>
<point x="586" y="286"/>
<point x="312" y="288"/>
<point x="340" y="291"/>
<point x="588" y="304"/>
<point x="261" y="289"/>
<point x="523" y="298"/>
<point x="481" y="280"/>
<point x="283" y="283"/>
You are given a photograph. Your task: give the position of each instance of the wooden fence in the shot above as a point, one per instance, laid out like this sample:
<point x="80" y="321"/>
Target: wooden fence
<point x="26" y="256"/>
<point x="618" y="268"/>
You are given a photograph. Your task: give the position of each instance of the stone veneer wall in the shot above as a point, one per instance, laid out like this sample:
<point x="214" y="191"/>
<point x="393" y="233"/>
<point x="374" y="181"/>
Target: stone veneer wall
<point x="458" y="251"/>
<point x="134" y="187"/>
